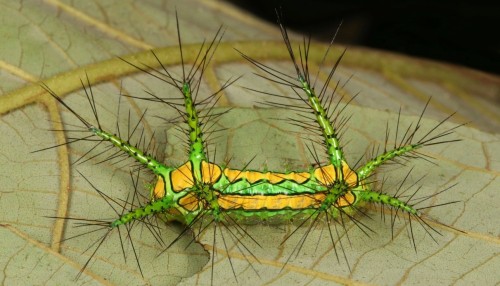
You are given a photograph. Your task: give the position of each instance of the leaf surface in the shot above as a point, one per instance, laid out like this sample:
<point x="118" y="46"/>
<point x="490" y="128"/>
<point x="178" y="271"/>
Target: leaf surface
<point x="60" y="42"/>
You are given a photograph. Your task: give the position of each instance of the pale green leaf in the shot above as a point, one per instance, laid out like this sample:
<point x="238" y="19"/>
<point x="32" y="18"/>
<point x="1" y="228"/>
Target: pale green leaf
<point x="60" y="42"/>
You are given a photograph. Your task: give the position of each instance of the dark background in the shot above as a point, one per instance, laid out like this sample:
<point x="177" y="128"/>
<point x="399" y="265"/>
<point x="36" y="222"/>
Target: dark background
<point x="465" y="33"/>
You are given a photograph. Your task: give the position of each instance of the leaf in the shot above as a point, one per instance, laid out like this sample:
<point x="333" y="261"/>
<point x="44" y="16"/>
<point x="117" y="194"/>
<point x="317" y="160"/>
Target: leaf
<point x="59" y="43"/>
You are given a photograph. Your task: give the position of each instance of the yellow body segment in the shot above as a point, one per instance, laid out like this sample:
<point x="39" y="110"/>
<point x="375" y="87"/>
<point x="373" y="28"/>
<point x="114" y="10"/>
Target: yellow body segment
<point x="189" y="202"/>
<point x="159" y="190"/>
<point x="276" y="202"/>
<point x="210" y="172"/>
<point x="182" y="177"/>
<point x="346" y="200"/>
<point x="327" y="175"/>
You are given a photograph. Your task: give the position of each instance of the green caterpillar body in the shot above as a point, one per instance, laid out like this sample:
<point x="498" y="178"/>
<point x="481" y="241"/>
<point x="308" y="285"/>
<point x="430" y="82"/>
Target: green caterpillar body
<point x="200" y="189"/>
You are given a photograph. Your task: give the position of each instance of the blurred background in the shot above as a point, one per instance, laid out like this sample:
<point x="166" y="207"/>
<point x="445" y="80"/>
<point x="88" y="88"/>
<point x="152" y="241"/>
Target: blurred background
<point x="460" y="32"/>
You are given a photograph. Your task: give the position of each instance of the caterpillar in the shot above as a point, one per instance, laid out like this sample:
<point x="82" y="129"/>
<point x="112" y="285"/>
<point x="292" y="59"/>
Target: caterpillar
<point x="200" y="193"/>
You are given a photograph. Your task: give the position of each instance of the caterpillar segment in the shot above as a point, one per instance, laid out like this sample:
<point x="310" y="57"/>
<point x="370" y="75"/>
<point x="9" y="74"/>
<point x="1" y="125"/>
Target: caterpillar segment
<point x="246" y="191"/>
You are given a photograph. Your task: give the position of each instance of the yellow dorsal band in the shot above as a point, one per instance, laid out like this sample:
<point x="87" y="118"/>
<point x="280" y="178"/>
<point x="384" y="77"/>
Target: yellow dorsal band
<point x="276" y="202"/>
